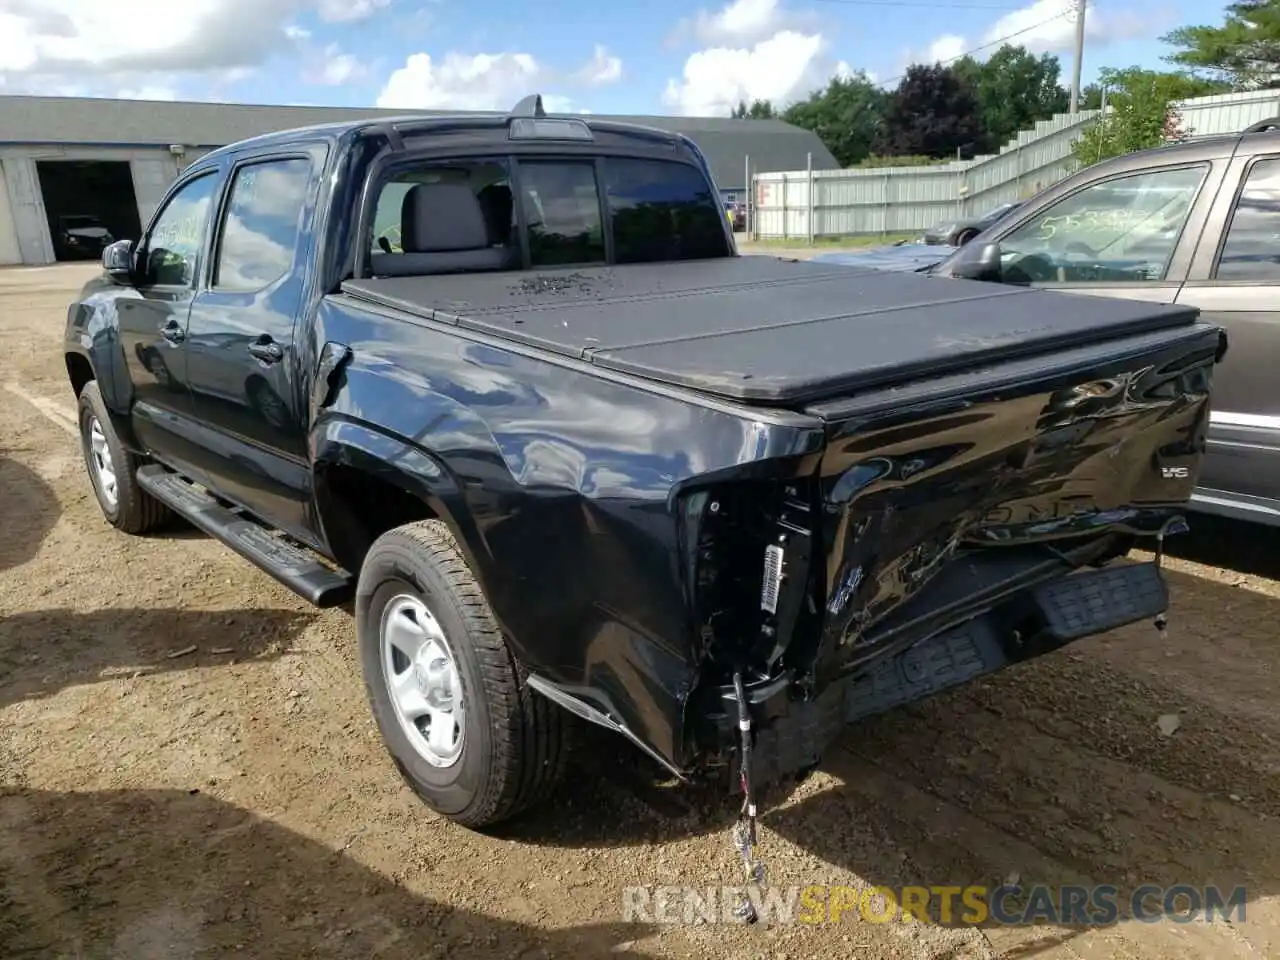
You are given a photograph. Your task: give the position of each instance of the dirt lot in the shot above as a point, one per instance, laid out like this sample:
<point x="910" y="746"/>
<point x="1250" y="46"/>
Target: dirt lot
<point x="236" y="802"/>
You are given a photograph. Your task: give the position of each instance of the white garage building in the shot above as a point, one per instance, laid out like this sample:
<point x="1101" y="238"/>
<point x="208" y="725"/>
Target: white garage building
<point x="66" y="162"/>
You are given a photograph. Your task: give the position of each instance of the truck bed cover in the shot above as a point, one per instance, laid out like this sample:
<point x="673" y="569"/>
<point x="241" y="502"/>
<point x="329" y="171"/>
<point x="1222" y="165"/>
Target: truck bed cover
<point x="768" y="329"/>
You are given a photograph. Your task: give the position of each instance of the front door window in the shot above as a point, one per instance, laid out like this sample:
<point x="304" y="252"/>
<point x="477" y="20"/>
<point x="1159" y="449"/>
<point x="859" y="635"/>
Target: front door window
<point x="173" y="247"/>
<point x="1121" y="230"/>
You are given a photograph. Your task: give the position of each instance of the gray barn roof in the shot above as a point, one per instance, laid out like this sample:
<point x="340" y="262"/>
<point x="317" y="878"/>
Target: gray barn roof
<point x="771" y="144"/>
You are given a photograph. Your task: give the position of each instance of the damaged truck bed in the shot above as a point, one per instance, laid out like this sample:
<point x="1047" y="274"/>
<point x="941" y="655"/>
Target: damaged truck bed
<point x="921" y="481"/>
<point x="514" y="395"/>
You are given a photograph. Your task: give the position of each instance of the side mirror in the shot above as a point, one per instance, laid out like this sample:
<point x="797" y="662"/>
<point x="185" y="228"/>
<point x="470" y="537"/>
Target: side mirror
<point x="117" y="261"/>
<point x="978" y="260"/>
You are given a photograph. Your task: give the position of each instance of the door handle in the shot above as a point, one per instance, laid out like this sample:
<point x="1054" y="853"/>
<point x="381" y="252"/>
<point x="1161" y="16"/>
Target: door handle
<point x="266" y="350"/>
<point x="173" y="332"/>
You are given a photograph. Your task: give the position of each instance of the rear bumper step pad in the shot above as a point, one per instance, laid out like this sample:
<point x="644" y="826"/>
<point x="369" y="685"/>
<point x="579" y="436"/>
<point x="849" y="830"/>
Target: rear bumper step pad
<point x="1101" y="600"/>
<point x="1081" y="605"/>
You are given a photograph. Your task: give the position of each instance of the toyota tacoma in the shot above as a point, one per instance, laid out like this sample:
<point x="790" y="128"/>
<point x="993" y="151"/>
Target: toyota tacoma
<point x="504" y="385"/>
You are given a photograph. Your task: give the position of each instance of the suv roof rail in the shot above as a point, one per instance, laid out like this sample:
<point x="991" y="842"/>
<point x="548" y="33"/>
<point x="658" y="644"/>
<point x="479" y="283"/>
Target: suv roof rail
<point x="530" y="106"/>
<point x="1271" y="123"/>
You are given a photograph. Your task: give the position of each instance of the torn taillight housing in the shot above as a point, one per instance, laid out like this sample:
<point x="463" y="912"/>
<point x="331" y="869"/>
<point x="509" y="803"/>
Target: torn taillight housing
<point x="746" y="555"/>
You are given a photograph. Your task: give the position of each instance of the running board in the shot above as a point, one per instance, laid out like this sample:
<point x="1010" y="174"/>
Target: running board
<point x="291" y="564"/>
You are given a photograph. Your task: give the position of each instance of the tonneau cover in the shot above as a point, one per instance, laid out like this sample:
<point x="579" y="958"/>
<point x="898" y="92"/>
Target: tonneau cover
<point x="768" y="329"/>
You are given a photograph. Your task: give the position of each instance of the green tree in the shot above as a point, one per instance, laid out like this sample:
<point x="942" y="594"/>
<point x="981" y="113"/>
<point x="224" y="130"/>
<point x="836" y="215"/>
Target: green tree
<point x="933" y="113"/>
<point x="1091" y="97"/>
<point x="759" y="110"/>
<point x="1014" y="88"/>
<point x="1140" y="114"/>
<point x="846" y="115"/>
<point x="1243" y="52"/>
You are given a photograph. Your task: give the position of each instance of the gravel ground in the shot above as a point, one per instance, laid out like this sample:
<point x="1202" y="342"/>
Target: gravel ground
<point x="235" y="801"/>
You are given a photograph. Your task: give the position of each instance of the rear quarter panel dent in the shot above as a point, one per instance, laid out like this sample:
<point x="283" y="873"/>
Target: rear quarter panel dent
<point x="566" y="481"/>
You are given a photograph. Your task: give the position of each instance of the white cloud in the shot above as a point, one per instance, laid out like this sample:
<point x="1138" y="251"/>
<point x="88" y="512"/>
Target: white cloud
<point x="1046" y="26"/>
<point x="752" y="50"/>
<point x="1102" y="26"/>
<point x="946" y="48"/>
<point x="602" y="68"/>
<point x="742" y="21"/>
<point x="95" y="48"/>
<point x="125" y="86"/>
<point x="66" y="35"/>
<point x="553" y="103"/>
<point x="485" y="81"/>
<point x="491" y="81"/>
<point x="335" y="68"/>
<point x="345" y="11"/>
<point x="786" y="66"/>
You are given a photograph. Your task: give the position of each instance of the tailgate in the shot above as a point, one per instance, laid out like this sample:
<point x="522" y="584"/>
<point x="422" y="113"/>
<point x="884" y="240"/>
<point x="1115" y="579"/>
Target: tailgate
<point x="972" y="475"/>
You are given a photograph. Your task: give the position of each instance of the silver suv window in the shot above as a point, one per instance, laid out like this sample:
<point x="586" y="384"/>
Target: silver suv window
<point x="1251" y="250"/>
<point x="1124" y="229"/>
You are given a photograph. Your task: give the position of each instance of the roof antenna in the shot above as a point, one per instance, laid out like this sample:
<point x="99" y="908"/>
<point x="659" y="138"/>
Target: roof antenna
<point x="530" y="106"/>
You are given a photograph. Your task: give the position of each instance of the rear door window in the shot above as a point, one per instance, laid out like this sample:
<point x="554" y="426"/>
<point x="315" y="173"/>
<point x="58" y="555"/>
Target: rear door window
<point x="663" y="211"/>
<point x="1251" y="250"/>
<point x="561" y="212"/>
<point x="487" y="179"/>
<point x="657" y="210"/>
<point x="261" y="225"/>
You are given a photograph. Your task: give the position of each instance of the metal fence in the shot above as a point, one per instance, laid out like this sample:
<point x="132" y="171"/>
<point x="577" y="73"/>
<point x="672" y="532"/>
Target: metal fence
<point x="806" y="204"/>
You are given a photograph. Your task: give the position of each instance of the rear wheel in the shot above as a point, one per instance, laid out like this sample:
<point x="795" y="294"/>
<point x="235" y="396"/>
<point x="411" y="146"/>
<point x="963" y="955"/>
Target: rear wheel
<point x="113" y="470"/>
<point x="965" y="236"/>
<point x="448" y="695"/>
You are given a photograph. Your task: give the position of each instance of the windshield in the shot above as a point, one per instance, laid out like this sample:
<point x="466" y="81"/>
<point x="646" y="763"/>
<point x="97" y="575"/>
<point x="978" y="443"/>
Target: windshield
<point x="496" y="214"/>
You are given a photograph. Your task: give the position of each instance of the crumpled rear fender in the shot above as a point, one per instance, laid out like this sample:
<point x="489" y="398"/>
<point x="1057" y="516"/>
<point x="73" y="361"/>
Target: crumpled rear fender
<point x="562" y="486"/>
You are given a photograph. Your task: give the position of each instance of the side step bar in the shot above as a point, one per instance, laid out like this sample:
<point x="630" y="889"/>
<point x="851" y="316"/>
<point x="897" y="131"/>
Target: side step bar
<point x="291" y="564"/>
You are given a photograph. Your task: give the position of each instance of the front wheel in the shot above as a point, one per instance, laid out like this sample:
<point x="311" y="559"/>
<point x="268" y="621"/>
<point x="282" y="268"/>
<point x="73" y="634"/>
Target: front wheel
<point x="448" y="695"/>
<point x="113" y="470"/>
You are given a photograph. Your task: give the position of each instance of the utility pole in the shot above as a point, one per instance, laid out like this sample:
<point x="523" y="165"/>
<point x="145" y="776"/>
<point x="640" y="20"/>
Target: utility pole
<point x="1075" y="71"/>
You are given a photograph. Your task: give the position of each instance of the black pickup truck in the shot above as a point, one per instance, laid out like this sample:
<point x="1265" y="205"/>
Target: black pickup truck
<point x="505" y="383"/>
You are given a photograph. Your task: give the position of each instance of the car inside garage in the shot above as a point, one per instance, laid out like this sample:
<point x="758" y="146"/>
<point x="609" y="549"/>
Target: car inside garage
<point x="88" y="203"/>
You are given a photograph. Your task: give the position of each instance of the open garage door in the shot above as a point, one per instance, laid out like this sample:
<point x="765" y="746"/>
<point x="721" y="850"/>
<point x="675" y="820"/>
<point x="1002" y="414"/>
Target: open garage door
<point x="89" y="203"/>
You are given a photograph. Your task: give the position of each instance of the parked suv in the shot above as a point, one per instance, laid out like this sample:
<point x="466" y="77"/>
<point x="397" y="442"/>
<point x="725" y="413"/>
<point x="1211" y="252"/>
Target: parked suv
<point x="80" y="237"/>
<point x="1196" y="224"/>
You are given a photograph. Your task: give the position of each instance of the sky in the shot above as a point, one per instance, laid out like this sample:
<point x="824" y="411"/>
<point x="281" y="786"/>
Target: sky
<point x="628" y="56"/>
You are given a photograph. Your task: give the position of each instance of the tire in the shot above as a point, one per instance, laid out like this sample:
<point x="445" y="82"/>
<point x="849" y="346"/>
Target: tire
<point x="126" y="506"/>
<point x="964" y="236"/>
<point x="511" y="743"/>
